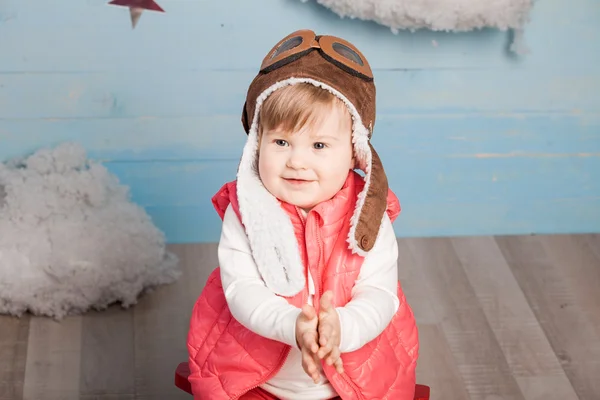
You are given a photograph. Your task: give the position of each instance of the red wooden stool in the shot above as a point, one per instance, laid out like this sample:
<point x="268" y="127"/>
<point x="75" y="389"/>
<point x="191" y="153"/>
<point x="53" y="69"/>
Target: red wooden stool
<point x="183" y="371"/>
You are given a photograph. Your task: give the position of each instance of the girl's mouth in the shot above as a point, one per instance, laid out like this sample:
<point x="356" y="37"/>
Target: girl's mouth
<point x="296" y="181"/>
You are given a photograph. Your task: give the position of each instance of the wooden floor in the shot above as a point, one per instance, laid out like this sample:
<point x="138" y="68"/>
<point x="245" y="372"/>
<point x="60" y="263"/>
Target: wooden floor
<point x="513" y="318"/>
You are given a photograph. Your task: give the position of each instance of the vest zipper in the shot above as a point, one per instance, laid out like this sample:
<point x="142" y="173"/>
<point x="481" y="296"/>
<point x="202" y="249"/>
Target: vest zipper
<point x="318" y="239"/>
<point x="305" y="258"/>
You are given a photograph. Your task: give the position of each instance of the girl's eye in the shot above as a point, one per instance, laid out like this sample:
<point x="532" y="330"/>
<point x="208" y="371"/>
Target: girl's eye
<point x="319" y="146"/>
<point x="281" y="142"/>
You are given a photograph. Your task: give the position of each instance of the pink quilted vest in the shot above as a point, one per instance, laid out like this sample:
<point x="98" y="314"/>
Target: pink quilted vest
<point x="227" y="360"/>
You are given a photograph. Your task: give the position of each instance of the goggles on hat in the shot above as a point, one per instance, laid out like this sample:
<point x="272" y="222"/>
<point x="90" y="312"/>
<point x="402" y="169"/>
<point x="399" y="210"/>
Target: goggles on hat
<point x="335" y="50"/>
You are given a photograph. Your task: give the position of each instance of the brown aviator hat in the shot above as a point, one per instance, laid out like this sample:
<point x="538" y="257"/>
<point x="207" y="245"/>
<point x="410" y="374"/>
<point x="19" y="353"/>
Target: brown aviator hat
<point x="337" y="66"/>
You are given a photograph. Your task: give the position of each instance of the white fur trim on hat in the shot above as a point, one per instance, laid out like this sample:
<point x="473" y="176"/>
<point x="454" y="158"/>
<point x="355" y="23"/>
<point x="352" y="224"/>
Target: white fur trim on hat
<point x="269" y="229"/>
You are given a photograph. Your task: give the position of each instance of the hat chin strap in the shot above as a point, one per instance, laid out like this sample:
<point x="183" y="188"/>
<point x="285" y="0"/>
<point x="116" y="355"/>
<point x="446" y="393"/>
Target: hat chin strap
<point x="269" y="229"/>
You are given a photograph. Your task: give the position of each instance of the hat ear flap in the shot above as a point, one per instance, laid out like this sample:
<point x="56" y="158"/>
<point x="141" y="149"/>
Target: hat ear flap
<point x="245" y="119"/>
<point x="371" y="206"/>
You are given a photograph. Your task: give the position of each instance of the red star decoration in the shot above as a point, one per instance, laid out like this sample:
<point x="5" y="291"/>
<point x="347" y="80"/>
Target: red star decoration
<point x="136" y="7"/>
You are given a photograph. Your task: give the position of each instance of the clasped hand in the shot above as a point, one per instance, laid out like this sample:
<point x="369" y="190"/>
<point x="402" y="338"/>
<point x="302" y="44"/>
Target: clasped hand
<point x="318" y="336"/>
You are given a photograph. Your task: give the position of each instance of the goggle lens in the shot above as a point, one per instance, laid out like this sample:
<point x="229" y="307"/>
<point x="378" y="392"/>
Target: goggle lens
<point x="289" y="44"/>
<point x="347" y="53"/>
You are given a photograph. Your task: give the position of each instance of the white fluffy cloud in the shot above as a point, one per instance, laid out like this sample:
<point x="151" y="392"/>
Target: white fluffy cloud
<point x="438" y="15"/>
<point x="71" y="239"/>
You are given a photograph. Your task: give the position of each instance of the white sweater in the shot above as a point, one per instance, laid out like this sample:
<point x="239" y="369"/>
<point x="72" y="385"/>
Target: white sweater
<point x="374" y="303"/>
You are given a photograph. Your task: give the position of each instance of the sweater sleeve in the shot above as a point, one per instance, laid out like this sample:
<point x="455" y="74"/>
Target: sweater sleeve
<point x="374" y="295"/>
<point x="250" y="301"/>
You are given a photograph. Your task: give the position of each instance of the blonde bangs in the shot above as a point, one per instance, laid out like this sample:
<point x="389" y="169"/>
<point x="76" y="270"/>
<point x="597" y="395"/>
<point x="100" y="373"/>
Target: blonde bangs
<point x="292" y="107"/>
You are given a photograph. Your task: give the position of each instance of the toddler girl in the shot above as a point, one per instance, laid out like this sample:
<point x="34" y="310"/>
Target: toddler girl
<point x="306" y="303"/>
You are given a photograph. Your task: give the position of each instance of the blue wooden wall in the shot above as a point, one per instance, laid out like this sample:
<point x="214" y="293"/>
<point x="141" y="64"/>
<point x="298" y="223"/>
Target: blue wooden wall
<point x="475" y="140"/>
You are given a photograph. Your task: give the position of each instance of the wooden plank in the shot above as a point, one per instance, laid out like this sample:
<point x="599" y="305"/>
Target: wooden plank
<point x="415" y="286"/>
<point x="549" y="293"/>
<point x="161" y="322"/>
<point x="123" y="94"/>
<point x="575" y="258"/>
<point x="545" y="388"/>
<point x="53" y="359"/>
<point x="594" y="243"/>
<point x="523" y="342"/>
<point x="476" y="351"/>
<point x="28" y="29"/>
<point x="436" y="367"/>
<point x="13" y="355"/>
<point x="404" y="136"/>
<point x="107" y="354"/>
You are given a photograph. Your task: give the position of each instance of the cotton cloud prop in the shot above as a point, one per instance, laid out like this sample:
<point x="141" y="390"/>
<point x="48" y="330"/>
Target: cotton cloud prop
<point x="439" y="15"/>
<point x="71" y="240"/>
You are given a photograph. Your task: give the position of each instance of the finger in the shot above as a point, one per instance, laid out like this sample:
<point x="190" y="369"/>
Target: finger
<point x="327" y="300"/>
<point x="325" y="333"/>
<point x="309" y="340"/>
<point x="323" y="339"/>
<point x="308" y="312"/>
<point x="333" y="356"/>
<point x="311" y="372"/>
<point x="310" y="366"/>
<point x="308" y="362"/>
<point x="339" y="366"/>
<point x="327" y="342"/>
<point x="316" y="375"/>
<point x="314" y="347"/>
<point x="324" y="351"/>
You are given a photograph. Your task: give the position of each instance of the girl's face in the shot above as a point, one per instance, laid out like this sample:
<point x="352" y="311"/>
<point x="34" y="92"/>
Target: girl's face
<point x="307" y="167"/>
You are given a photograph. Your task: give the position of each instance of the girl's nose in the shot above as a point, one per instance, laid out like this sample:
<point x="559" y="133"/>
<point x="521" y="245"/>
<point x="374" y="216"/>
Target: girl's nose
<point x="296" y="160"/>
